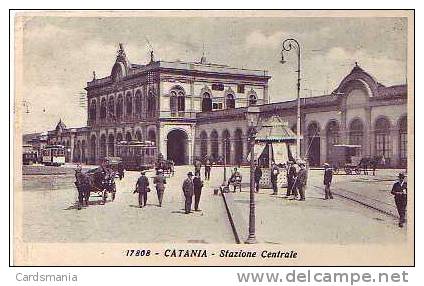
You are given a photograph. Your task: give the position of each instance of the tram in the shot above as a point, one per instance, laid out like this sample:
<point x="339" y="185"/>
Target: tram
<point x="53" y="155"/>
<point x="29" y="155"/>
<point x="137" y="155"/>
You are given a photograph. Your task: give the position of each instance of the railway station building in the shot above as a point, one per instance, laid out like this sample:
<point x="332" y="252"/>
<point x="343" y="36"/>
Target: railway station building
<point x="196" y="109"/>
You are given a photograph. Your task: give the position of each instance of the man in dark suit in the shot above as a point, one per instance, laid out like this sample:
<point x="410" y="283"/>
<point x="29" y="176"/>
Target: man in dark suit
<point x="274" y="178"/>
<point x="188" y="190"/>
<point x="141" y="188"/>
<point x="291" y="178"/>
<point x="160" y="182"/>
<point x="258" y="176"/>
<point x="197" y="186"/>
<point x="328" y="177"/>
<point x="208" y="167"/>
<point x="400" y="191"/>
<point x="302" y="178"/>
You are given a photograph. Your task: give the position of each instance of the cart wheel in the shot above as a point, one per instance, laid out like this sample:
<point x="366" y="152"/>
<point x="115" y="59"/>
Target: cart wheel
<point x="336" y="170"/>
<point x="358" y="171"/>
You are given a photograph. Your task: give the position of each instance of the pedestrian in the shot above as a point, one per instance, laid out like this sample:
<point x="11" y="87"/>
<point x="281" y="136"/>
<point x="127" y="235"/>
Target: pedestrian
<point x="197" y="186"/>
<point x="235" y="179"/>
<point x="120" y="171"/>
<point x="328" y="177"/>
<point x="197" y="167"/>
<point x="208" y="167"/>
<point x="274" y="178"/>
<point x="258" y="176"/>
<point x="400" y="191"/>
<point x="160" y="182"/>
<point x="188" y="190"/>
<point x="302" y="178"/>
<point x="291" y="178"/>
<point x="142" y="187"/>
<point x="78" y="183"/>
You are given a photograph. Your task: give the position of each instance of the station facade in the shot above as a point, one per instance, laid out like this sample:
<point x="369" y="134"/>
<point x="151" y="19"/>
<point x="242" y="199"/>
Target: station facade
<point x="197" y="109"/>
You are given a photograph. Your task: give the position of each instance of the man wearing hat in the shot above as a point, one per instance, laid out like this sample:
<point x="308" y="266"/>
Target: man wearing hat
<point x="399" y="191"/>
<point x="274" y="178"/>
<point x="188" y="190"/>
<point x="160" y="182"/>
<point x="291" y="178"/>
<point x="328" y="177"/>
<point x="142" y="188"/>
<point x="302" y="178"/>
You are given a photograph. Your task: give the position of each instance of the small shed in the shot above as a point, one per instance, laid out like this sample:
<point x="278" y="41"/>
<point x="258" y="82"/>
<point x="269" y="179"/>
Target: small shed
<point x="274" y="141"/>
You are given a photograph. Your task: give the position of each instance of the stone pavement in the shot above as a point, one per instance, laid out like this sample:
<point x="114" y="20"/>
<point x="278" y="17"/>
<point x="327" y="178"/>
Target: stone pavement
<point x="338" y="221"/>
<point x="50" y="214"/>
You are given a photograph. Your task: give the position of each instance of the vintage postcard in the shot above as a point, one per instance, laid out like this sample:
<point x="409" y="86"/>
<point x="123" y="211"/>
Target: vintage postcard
<point x="267" y="138"/>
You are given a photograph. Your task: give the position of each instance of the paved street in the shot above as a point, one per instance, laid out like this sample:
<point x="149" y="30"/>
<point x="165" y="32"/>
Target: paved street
<point x="50" y="213"/>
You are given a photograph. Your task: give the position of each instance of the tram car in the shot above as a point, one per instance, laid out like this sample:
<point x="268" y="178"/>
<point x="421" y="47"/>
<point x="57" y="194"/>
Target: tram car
<point x="137" y="155"/>
<point x="53" y="155"/>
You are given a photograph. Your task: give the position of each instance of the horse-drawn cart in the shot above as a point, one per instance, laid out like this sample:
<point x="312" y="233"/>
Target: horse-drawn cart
<point x="102" y="183"/>
<point x="344" y="157"/>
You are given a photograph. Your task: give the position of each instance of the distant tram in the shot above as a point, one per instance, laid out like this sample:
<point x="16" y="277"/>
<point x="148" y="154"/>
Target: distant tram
<point x="137" y="155"/>
<point x="53" y="155"/>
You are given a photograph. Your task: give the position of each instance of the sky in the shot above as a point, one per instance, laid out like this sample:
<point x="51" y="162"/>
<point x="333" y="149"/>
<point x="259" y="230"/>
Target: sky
<point x="61" y="53"/>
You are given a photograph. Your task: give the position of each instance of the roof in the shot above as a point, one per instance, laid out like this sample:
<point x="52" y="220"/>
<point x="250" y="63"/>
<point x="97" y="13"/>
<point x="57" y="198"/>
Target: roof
<point x="274" y="129"/>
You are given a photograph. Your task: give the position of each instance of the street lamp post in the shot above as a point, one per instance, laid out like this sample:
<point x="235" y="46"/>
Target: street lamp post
<point x="288" y="44"/>
<point x="252" y="116"/>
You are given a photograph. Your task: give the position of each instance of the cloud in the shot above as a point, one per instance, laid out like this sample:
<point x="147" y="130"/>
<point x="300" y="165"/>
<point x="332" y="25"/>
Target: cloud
<point x="258" y="39"/>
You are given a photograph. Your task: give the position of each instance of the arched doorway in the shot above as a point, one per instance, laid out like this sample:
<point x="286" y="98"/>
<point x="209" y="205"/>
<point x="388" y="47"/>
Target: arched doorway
<point x="102" y="146"/>
<point x="314" y="145"/>
<point x="403" y="141"/>
<point x="214" y="145"/>
<point x="93" y="144"/>
<point x="203" y="144"/>
<point x="333" y="136"/>
<point x="238" y="146"/>
<point x="111" y="145"/>
<point x="176" y="147"/>
<point x="383" y="143"/>
<point x="226" y="146"/>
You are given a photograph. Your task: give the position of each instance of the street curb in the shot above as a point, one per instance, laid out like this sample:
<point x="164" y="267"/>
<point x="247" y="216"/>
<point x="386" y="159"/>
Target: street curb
<point x="230" y="218"/>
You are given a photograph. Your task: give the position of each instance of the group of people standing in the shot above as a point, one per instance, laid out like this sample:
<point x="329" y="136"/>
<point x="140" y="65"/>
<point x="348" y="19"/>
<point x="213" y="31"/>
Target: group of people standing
<point x="296" y="178"/>
<point x="192" y="186"/>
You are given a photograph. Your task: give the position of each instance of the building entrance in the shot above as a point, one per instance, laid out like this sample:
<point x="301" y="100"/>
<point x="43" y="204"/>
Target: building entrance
<point x="176" y="147"/>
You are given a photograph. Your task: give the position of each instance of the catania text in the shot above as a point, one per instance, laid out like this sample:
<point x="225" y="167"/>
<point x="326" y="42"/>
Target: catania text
<point x="230" y="253"/>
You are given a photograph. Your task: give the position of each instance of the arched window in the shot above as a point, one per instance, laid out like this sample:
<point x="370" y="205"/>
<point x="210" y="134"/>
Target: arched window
<point x="181" y="102"/>
<point x="206" y="102"/>
<point x="128" y="137"/>
<point x="356" y="134"/>
<point x="333" y="136"/>
<point x="111" y="145"/>
<point x="403" y="140"/>
<point x="226" y="146"/>
<point x="111" y="108"/>
<point x="173" y="103"/>
<point x="128" y="103"/>
<point x="138" y="104"/>
<point x="103" y="109"/>
<point x="119" y="107"/>
<point x="238" y="144"/>
<point x="230" y="101"/>
<point x="203" y="144"/>
<point x="151" y="104"/>
<point x="93" y="110"/>
<point x="253" y="99"/>
<point x="138" y="135"/>
<point x="383" y="144"/>
<point x="102" y="146"/>
<point x="214" y="144"/>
